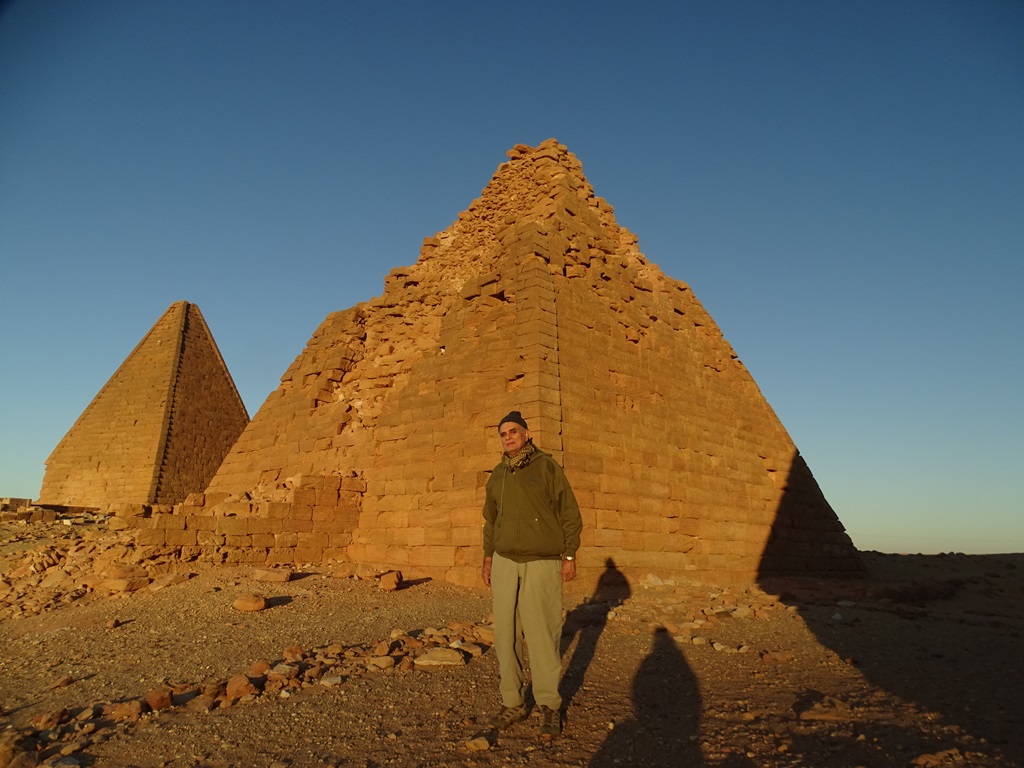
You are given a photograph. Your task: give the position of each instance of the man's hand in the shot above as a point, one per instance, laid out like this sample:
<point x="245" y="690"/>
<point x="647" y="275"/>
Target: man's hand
<point x="568" y="570"/>
<point x="485" y="571"/>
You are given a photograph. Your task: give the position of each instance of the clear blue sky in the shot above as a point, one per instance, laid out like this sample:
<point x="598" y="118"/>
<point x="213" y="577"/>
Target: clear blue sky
<point x="841" y="183"/>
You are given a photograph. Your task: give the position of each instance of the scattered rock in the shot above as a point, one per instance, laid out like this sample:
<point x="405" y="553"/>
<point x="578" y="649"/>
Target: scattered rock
<point x="168" y="580"/>
<point x="159" y="699"/>
<point x="61" y="682"/>
<point x="365" y="572"/>
<point x="828" y="708"/>
<point x="129" y="711"/>
<point x="240" y="686"/>
<point x="938" y="759"/>
<point x="478" y="744"/>
<point x="441" y="657"/>
<point x="390" y="581"/>
<point x="250" y="603"/>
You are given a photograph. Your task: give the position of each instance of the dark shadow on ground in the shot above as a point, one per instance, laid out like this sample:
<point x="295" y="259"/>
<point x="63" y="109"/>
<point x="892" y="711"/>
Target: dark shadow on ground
<point x="407" y="583"/>
<point x="586" y="622"/>
<point x="665" y="725"/>
<point x="912" y="639"/>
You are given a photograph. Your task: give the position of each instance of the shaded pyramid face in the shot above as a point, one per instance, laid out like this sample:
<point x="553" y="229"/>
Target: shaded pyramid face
<point x="158" y="429"/>
<point x="534" y="299"/>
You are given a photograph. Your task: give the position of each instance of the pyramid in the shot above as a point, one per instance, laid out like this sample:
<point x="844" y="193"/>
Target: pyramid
<point x="378" y="442"/>
<point x="158" y="429"/>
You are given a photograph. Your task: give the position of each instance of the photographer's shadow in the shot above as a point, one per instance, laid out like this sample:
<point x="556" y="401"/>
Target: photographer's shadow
<point x="664" y="729"/>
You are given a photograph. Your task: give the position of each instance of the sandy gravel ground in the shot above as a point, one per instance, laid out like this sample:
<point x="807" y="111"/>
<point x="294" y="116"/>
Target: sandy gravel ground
<point x="917" y="665"/>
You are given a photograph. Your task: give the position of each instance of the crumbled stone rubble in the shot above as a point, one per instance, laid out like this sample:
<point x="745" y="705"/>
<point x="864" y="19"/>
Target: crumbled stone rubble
<point x="57" y="735"/>
<point x="45" y="566"/>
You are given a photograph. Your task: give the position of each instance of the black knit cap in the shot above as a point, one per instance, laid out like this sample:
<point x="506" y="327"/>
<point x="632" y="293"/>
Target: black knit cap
<point x="515" y="416"/>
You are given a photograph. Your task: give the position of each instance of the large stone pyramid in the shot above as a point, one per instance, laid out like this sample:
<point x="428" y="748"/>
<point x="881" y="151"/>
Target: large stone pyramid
<point x="158" y="429"/>
<point x="378" y="441"/>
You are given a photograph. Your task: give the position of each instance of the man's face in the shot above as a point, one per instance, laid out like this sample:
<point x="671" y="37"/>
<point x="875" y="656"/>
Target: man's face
<point x="513" y="436"/>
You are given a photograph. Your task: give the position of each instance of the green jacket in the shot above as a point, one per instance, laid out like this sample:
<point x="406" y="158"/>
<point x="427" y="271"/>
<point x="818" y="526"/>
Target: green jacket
<point x="531" y="513"/>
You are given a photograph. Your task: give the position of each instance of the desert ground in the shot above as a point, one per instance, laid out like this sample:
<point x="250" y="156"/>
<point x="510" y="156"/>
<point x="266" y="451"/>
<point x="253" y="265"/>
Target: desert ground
<point x="112" y="655"/>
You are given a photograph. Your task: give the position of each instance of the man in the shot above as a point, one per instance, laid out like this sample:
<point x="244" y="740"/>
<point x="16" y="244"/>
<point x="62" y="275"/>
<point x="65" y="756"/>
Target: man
<point x="532" y="530"/>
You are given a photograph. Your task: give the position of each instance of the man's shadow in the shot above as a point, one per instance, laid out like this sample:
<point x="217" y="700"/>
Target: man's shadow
<point x="586" y="622"/>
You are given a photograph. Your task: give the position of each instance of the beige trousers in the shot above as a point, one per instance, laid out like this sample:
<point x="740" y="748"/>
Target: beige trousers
<point x="528" y="605"/>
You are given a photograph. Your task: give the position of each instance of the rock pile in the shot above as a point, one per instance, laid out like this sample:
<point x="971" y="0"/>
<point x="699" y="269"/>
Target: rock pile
<point x="83" y="562"/>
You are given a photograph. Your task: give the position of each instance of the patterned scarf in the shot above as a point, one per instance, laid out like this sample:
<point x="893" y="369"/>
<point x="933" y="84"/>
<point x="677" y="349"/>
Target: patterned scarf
<point x="520" y="459"/>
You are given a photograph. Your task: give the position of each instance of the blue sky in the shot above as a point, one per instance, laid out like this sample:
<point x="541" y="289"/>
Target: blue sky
<point x="841" y="183"/>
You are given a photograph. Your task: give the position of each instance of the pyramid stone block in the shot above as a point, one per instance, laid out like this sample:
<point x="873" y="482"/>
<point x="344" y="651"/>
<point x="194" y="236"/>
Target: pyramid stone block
<point x="158" y="429"/>
<point x="535" y="299"/>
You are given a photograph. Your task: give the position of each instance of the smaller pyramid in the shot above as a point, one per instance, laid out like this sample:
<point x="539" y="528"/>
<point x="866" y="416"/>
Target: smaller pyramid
<point x="158" y="429"/>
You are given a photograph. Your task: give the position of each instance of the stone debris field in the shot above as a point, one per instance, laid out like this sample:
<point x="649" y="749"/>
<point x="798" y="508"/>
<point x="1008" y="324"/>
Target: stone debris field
<point x="115" y="654"/>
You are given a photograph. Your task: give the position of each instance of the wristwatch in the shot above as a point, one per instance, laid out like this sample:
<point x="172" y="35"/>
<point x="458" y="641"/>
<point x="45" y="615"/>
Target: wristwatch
<point x="570" y="558"/>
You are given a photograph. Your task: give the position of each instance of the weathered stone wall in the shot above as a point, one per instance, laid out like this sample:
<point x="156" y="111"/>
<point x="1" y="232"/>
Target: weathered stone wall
<point x="158" y="429"/>
<point x="533" y="299"/>
<point x="306" y="520"/>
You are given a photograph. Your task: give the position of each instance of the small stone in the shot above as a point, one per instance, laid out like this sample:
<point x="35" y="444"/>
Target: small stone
<point x="365" y="572"/>
<point x="240" y="686"/>
<point x="390" y="581"/>
<point x="250" y="603"/>
<point x="478" y="744"/>
<point x="129" y="584"/>
<point x="381" y="662"/>
<point x="113" y="624"/>
<point x="74" y="746"/>
<point x="64" y="761"/>
<point x="441" y="657"/>
<point x="159" y="699"/>
<point x="484" y="633"/>
<point x="287" y="671"/>
<point x="129" y="711"/>
<point x="828" y="709"/>
<point x="47" y="720"/>
<point x="201" y="703"/>
<point x="272" y="575"/>
<point x="61" y="682"/>
<point x="472" y="649"/>
<point x="168" y="580"/>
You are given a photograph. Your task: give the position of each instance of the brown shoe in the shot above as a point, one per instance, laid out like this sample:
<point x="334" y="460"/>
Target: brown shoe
<point x="550" y="724"/>
<point x="507" y="716"/>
